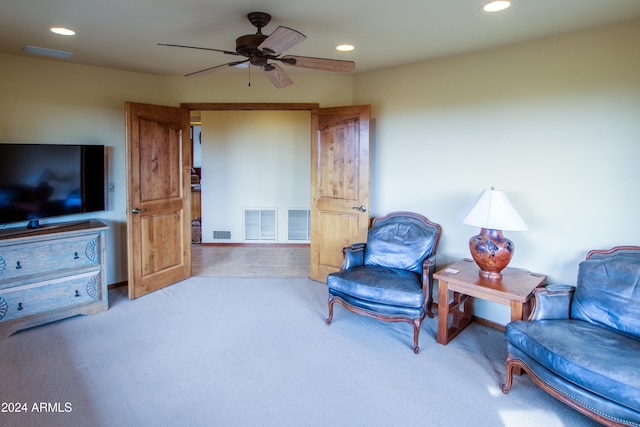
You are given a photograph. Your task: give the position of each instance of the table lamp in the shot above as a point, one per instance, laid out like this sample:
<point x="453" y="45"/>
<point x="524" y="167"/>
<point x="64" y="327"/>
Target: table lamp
<point x="492" y="212"/>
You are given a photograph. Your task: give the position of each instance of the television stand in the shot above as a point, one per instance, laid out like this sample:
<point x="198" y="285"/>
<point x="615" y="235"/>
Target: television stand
<point x="51" y="273"/>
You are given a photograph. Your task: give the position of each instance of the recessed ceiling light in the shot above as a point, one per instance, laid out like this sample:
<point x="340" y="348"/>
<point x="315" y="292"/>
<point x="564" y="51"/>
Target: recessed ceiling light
<point x="345" y="47"/>
<point x="63" y="31"/>
<point x="496" y="6"/>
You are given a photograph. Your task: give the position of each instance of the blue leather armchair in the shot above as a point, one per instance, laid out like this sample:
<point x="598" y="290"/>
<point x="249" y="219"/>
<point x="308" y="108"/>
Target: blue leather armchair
<point x="390" y="277"/>
<point x="582" y="344"/>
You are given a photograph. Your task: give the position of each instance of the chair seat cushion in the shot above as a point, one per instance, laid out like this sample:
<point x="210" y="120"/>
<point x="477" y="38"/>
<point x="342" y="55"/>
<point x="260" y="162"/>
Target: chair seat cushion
<point x="596" y="358"/>
<point x="380" y="285"/>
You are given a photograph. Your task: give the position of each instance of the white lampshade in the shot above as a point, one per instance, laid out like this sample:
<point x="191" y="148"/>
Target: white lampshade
<point x="491" y="209"/>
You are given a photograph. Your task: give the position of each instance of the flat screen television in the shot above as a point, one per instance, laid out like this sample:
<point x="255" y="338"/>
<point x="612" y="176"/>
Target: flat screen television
<point x="40" y="181"/>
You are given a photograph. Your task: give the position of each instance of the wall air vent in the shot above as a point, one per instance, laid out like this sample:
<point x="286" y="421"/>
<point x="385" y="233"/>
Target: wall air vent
<point x="225" y="235"/>
<point x="260" y="224"/>
<point x="43" y="51"/>
<point x="298" y="224"/>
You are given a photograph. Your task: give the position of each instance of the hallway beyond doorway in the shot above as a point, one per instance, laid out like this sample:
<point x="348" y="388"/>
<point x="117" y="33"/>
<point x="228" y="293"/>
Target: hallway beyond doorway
<point x="250" y="261"/>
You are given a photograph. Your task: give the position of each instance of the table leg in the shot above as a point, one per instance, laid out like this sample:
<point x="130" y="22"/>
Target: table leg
<point x="461" y="310"/>
<point x="517" y="310"/>
<point x="443" y="312"/>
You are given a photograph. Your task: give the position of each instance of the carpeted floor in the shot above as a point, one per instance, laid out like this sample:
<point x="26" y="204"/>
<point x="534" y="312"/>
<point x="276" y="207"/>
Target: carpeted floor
<point x="213" y="351"/>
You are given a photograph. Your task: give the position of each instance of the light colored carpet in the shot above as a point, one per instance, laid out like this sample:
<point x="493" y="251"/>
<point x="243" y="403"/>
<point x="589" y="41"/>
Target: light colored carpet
<point x="256" y="352"/>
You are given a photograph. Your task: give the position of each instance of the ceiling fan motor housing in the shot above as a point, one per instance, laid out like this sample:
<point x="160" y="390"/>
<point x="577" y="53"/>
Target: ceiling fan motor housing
<point x="248" y="44"/>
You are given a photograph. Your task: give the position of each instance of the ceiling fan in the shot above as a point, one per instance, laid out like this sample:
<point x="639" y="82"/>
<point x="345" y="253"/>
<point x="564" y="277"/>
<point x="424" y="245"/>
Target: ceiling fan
<point x="260" y="49"/>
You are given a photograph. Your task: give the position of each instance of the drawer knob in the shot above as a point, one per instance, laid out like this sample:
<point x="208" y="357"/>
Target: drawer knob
<point x="18" y="266"/>
<point x="77" y="294"/>
<point x="75" y="255"/>
<point x="20" y="306"/>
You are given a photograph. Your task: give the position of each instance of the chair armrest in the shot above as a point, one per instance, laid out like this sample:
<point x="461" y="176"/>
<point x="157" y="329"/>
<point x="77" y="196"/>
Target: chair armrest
<point x="552" y="302"/>
<point x="353" y="256"/>
<point x="428" y="268"/>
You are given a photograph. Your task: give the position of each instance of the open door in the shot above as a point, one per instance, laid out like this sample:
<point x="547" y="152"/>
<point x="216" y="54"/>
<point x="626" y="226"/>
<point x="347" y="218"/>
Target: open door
<point x="339" y="184"/>
<point x="158" y="196"/>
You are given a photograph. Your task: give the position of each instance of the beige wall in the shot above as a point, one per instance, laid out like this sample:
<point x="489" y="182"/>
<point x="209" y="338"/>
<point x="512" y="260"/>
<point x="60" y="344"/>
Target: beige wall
<point x="327" y="89"/>
<point x="554" y="123"/>
<point x="55" y="102"/>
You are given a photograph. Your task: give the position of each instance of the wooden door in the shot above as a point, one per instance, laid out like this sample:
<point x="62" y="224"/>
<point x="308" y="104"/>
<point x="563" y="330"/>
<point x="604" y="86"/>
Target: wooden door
<point x="339" y="184"/>
<point x="158" y="196"/>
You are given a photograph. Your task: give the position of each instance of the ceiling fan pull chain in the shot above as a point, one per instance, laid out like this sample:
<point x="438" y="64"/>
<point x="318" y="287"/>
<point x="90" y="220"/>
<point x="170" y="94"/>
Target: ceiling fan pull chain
<point x="249" y="67"/>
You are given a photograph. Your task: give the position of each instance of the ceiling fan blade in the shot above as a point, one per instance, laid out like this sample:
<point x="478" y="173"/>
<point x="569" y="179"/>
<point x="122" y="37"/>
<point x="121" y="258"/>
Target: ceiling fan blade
<point x="276" y="74"/>
<point x="227" y="52"/>
<point x="212" y="69"/>
<point x="323" y="64"/>
<point x="280" y="40"/>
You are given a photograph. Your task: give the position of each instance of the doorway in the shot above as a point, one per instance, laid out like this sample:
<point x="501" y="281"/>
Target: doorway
<point x="255" y="177"/>
<point x="339" y="138"/>
<point x="251" y="159"/>
<point x="339" y="178"/>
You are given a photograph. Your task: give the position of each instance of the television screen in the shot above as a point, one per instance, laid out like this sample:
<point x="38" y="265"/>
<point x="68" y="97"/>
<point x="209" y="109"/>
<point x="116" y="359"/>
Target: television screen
<point x="47" y="180"/>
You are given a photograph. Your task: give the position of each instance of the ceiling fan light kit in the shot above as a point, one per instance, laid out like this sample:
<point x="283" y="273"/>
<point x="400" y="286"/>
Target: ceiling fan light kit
<point x="261" y="50"/>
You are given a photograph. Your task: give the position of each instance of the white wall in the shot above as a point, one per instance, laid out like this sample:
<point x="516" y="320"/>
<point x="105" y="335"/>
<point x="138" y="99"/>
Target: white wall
<point x="554" y="123"/>
<point x="253" y="160"/>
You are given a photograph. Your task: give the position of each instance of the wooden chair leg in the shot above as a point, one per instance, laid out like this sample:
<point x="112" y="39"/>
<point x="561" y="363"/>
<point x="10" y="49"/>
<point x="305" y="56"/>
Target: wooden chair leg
<point x="416" y="332"/>
<point x="430" y="308"/>
<point x="509" y="365"/>
<point x="330" y="318"/>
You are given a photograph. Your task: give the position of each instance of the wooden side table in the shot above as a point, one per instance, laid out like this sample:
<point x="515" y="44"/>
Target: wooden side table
<point x="513" y="289"/>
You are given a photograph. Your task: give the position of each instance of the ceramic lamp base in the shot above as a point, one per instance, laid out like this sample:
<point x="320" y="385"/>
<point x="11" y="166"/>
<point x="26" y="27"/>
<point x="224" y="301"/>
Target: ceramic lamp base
<point x="491" y="251"/>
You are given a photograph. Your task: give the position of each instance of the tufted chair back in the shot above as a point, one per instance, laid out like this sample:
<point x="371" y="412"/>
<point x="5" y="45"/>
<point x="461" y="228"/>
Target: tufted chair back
<point x="608" y="293"/>
<point x="402" y="242"/>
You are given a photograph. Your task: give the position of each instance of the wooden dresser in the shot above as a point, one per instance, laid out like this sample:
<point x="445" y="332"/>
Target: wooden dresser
<point x="51" y="273"/>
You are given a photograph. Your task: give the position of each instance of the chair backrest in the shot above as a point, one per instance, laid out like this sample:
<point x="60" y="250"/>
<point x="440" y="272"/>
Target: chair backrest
<point x="633" y="251"/>
<point x="401" y="240"/>
<point x="608" y="290"/>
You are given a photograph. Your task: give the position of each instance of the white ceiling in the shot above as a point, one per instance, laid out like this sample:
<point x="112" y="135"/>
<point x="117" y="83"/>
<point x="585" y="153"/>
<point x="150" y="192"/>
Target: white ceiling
<point x="123" y="34"/>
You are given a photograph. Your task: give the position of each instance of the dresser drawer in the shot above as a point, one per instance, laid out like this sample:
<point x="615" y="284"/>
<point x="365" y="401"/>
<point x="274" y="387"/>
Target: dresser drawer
<point x="56" y="294"/>
<point x="32" y="258"/>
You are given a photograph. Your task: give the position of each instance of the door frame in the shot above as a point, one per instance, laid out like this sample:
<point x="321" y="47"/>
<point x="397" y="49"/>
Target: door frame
<point x="255" y="106"/>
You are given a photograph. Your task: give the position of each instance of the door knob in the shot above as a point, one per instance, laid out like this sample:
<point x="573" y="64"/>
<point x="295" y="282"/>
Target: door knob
<point x="360" y="208"/>
<point x="137" y="211"/>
